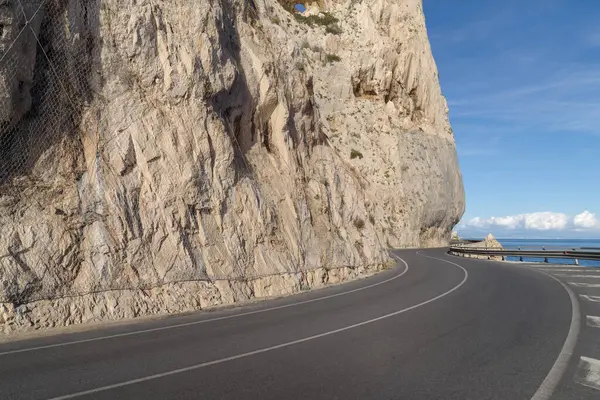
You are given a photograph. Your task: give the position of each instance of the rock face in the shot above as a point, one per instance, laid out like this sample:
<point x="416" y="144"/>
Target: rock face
<point x="489" y="242"/>
<point x="166" y="156"/>
<point x="18" y="49"/>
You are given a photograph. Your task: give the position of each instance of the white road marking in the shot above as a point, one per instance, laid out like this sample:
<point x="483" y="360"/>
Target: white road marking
<point x="168" y="327"/>
<point x="544" y="266"/>
<point x="578" y="276"/>
<point x="592" y="321"/>
<point x="588" y="372"/>
<point x="578" y="270"/>
<point x="559" y="368"/>
<point x="590" y="298"/>
<point x="266" y="349"/>
<point x="585" y="285"/>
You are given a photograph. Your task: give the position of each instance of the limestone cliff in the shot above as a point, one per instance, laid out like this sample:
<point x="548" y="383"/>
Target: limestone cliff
<point x="489" y="242"/>
<point x="168" y="156"/>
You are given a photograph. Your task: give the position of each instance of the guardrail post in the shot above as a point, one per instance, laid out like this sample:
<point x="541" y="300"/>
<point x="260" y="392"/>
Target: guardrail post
<point x="576" y="262"/>
<point x="521" y="258"/>
<point x="546" y="260"/>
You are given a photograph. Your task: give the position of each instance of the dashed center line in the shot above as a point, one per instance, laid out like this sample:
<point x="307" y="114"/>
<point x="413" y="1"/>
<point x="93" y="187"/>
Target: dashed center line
<point x="588" y="372"/>
<point x="590" y="298"/>
<point x="593" y="321"/>
<point x="577" y="270"/>
<point x="585" y="285"/>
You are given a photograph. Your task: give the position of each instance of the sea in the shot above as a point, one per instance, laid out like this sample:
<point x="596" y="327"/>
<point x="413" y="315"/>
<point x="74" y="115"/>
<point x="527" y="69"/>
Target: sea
<point x="549" y="244"/>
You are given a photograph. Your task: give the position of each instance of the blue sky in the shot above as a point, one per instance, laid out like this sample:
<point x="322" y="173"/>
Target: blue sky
<point x="522" y="80"/>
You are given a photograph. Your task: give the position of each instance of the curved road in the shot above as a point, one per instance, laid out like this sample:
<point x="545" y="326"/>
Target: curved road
<point x="427" y="329"/>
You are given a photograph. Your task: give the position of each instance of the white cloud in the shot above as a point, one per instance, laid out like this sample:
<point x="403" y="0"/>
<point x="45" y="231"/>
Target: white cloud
<point x="586" y="220"/>
<point x="539" y="221"/>
<point x="510" y="222"/>
<point x="546" y="221"/>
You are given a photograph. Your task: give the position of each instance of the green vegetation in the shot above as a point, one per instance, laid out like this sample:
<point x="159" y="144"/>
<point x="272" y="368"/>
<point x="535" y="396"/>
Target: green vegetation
<point x="355" y="154"/>
<point x="208" y="90"/>
<point x="331" y="58"/>
<point x="325" y="19"/>
<point x="359" y="223"/>
<point x="333" y="29"/>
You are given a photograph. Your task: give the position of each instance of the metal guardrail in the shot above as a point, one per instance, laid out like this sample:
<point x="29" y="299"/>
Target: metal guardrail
<point x="460" y="242"/>
<point x="577" y="254"/>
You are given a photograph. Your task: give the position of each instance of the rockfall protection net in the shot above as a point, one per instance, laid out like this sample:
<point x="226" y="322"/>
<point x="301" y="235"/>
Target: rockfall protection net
<point x="48" y="50"/>
<point x="47" y="53"/>
<point x="44" y="65"/>
<point x="45" y="60"/>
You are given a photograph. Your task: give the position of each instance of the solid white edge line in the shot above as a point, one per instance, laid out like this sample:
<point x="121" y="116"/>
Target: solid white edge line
<point x="168" y="327"/>
<point x="559" y="368"/>
<point x="267" y="349"/>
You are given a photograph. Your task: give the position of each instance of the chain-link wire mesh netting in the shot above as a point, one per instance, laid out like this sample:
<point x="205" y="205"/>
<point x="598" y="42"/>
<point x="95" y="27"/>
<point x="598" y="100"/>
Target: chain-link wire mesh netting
<point x="47" y="83"/>
<point x="45" y="62"/>
<point x="44" y="67"/>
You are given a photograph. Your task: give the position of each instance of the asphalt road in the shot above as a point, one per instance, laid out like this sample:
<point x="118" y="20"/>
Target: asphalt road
<point x="436" y="330"/>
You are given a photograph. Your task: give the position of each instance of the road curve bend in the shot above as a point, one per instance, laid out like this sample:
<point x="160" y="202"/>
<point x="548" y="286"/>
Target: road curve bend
<point x="434" y="327"/>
